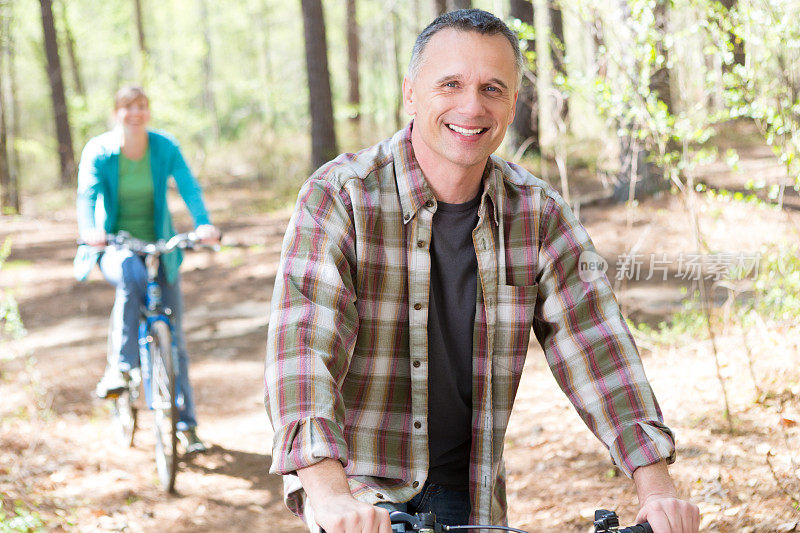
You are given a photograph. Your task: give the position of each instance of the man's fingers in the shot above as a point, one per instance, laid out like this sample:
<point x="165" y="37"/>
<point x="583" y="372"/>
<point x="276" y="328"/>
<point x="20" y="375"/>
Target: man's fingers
<point x="385" y="524"/>
<point x="670" y="515"/>
<point x="354" y="517"/>
<point x="658" y="522"/>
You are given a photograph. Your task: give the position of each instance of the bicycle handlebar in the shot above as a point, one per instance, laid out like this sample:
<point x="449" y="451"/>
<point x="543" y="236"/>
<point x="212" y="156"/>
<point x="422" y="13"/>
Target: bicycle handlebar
<point x="607" y="521"/>
<point x="604" y="522"/>
<point x="185" y="241"/>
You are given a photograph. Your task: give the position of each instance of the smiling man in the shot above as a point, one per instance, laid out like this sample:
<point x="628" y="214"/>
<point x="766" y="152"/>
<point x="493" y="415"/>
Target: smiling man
<point x="411" y="277"/>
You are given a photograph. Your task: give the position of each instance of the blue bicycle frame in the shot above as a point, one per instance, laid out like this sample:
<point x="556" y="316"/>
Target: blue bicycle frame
<point x="152" y="312"/>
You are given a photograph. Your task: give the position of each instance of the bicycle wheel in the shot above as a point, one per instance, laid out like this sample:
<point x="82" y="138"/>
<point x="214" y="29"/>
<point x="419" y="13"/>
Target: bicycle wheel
<point x="125" y="410"/>
<point x="165" y="409"/>
<point x="125" y="416"/>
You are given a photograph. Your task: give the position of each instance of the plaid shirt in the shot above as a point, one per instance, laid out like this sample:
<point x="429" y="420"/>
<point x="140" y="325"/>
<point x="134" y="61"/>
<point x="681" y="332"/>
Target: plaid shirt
<point x="346" y="369"/>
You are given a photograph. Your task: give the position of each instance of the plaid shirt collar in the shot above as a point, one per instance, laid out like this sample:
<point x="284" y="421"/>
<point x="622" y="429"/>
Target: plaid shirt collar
<point x="412" y="187"/>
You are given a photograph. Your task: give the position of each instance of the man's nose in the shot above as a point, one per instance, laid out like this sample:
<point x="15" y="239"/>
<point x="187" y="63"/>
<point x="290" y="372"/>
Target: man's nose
<point x="471" y="102"/>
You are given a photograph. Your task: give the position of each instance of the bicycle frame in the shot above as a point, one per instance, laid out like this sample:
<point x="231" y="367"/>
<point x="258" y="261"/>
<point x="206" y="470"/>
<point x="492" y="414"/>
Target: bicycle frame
<point x="153" y="311"/>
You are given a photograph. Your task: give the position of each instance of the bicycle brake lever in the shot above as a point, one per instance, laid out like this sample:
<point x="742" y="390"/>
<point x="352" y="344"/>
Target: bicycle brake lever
<point x="399" y="517"/>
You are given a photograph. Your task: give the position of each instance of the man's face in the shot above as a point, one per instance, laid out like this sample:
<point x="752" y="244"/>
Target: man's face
<point x="462" y="98"/>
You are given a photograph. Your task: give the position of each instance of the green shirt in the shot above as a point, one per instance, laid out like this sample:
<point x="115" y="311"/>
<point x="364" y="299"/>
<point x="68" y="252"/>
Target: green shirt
<point x="136" y="205"/>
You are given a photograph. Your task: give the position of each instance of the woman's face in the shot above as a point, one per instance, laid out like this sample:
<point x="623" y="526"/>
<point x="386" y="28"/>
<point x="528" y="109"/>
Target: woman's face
<point x="134" y="115"/>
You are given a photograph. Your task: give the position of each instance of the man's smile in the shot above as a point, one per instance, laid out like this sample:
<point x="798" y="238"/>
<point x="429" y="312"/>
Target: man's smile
<point x="467" y="132"/>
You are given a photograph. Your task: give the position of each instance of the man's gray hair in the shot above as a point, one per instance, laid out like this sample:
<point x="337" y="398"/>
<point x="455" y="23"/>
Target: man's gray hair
<point x="476" y="20"/>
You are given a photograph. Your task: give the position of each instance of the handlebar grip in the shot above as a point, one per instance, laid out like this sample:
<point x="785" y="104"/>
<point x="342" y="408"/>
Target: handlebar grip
<point x="644" y="527"/>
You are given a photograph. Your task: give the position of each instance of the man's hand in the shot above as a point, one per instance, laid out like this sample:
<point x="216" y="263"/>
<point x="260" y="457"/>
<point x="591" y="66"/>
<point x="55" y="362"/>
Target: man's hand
<point x="207" y="233"/>
<point x="659" y="502"/>
<point x="668" y="514"/>
<point x="335" y="509"/>
<point x="345" y="514"/>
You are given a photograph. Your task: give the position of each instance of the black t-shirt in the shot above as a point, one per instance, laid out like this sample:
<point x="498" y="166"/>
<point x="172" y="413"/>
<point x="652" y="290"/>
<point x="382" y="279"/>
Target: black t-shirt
<point x="451" y="318"/>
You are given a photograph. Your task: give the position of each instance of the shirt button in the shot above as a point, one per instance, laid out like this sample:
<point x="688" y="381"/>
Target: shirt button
<point x="421" y="244"/>
<point x="406" y="216"/>
<point x="417" y="425"/>
<point x="416" y="364"/>
<point x="429" y="203"/>
<point x="379" y="496"/>
<point x="415" y="484"/>
<point x="418" y="306"/>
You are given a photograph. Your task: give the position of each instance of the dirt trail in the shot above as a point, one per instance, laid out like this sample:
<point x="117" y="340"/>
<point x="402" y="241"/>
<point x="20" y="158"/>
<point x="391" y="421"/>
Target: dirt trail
<point x="58" y="455"/>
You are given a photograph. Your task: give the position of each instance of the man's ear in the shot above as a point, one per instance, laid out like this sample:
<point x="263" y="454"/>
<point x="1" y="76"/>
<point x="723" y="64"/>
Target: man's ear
<point x="513" y="108"/>
<point x="408" y="97"/>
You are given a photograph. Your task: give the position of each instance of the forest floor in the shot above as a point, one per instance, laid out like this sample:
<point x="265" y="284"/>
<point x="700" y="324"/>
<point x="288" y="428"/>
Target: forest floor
<point x="60" y="462"/>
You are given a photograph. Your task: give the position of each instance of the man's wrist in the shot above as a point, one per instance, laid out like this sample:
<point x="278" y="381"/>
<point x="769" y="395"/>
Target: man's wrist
<point x="653" y="481"/>
<point x="324" y="479"/>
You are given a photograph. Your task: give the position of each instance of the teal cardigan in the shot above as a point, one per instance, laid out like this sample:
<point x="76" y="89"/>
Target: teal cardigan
<point x="98" y="191"/>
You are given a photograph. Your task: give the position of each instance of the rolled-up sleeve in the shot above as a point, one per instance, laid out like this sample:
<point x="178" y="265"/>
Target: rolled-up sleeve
<point x="589" y="347"/>
<point x="312" y="331"/>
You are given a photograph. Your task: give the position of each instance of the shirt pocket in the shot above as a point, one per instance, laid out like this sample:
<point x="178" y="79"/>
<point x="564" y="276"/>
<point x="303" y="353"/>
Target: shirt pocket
<point x="515" y="308"/>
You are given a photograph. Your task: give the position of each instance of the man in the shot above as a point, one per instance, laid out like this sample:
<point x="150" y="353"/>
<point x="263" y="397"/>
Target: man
<point x="411" y="277"/>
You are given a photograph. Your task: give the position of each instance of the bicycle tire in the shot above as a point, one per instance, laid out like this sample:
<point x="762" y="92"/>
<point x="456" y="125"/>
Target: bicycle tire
<point x="163" y="404"/>
<point x="124" y="411"/>
<point x="125" y="417"/>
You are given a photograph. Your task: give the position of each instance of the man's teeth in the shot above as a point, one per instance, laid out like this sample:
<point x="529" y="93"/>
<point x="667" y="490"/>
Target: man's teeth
<point x="465" y="131"/>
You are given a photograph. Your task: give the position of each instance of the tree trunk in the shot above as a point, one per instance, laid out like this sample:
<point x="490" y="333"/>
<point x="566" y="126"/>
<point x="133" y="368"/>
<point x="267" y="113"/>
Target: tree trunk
<point x="60" y="112"/>
<point x="525" y="128"/>
<point x="441" y="7"/>
<point x="558" y="50"/>
<point x="5" y="174"/>
<point x="323" y="135"/>
<point x="660" y="81"/>
<point x="14" y="201"/>
<point x="738" y="44"/>
<point x="393" y="29"/>
<point x="75" y="68"/>
<point x="261" y="18"/>
<point x="137" y="12"/>
<point x="209" y="102"/>
<point x="639" y="177"/>
<point x="353" y="94"/>
<point x="143" y="54"/>
<point x="6" y="207"/>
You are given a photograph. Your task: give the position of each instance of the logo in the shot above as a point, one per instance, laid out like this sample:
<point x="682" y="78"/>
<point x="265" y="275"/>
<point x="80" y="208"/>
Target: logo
<point x="591" y="266"/>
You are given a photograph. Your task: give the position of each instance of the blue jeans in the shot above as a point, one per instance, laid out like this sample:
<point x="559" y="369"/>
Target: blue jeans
<point x="126" y="271"/>
<point x="451" y="506"/>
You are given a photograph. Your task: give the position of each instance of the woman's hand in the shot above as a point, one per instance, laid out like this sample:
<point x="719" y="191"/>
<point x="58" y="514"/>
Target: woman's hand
<point x="94" y="237"/>
<point x="207" y="233"/>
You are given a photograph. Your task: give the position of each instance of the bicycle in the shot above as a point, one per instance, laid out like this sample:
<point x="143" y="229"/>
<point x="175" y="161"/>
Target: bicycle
<point x="604" y="522"/>
<point x="158" y="358"/>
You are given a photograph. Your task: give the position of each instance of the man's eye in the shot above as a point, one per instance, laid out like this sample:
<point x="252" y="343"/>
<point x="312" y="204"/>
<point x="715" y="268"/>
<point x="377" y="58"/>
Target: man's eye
<point x="450" y="84"/>
<point x="492" y="89"/>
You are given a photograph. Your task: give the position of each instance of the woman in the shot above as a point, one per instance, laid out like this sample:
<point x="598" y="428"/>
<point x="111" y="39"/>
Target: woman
<point x="122" y="185"/>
